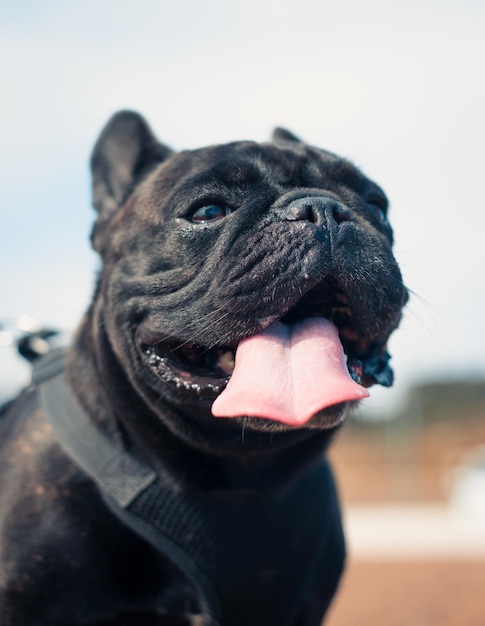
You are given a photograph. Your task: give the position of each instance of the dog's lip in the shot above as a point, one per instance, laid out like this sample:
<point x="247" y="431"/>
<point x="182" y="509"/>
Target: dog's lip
<point x="206" y="371"/>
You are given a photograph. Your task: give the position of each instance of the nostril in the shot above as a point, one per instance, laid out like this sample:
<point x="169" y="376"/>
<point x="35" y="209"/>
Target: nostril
<point x="340" y="213"/>
<point x="310" y="215"/>
<point x="301" y="211"/>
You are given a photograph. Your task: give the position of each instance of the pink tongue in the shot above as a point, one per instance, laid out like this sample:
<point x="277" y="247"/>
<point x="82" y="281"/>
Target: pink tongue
<point x="288" y="373"/>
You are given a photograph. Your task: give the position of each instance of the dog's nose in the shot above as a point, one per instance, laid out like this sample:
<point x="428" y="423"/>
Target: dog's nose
<point x="319" y="210"/>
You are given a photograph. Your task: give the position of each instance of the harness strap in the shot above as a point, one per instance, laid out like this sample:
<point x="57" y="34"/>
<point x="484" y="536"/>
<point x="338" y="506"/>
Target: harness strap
<point x="120" y="476"/>
<point x="114" y="469"/>
<point x="245" y="556"/>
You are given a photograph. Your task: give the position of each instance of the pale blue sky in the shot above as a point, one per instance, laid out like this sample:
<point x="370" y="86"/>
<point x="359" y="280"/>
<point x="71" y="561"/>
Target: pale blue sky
<point x="397" y="87"/>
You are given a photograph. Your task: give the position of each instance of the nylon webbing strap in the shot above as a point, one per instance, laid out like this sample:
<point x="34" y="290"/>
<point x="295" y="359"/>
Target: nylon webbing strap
<point x="119" y="475"/>
<point x="115" y="470"/>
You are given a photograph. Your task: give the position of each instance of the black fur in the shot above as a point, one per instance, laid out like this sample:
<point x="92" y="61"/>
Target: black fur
<point x="167" y="281"/>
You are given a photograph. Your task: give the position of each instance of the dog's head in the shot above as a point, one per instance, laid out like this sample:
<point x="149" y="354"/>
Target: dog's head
<point x="259" y="250"/>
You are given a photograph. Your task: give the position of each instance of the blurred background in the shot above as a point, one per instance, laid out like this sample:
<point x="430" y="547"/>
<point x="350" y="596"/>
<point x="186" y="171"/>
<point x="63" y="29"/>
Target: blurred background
<point x="398" y="88"/>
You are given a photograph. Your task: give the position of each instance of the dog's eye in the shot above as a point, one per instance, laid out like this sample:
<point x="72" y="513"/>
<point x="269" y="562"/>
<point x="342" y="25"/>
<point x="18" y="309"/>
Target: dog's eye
<point x="379" y="206"/>
<point x="210" y="212"/>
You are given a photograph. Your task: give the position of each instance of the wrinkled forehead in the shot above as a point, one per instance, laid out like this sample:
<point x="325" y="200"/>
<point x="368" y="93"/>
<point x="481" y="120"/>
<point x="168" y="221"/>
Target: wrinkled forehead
<point x="248" y="164"/>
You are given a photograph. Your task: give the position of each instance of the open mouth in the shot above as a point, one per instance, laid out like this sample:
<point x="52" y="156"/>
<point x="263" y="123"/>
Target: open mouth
<point x="206" y="371"/>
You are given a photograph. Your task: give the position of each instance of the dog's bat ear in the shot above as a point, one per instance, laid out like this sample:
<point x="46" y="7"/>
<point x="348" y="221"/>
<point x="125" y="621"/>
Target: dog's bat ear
<point x="281" y="134"/>
<point x="125" y="151"/>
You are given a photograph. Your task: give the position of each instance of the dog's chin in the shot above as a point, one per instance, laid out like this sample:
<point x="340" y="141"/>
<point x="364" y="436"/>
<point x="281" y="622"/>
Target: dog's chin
<point x="331" y="417"/>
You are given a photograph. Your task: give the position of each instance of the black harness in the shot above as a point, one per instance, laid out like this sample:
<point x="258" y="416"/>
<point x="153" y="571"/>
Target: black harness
<point x="251" y="559"/>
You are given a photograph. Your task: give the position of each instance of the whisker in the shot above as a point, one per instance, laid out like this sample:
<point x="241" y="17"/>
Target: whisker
<point x="187" y="327"/>
<point x="188" y="341"/>
<point x="245" y="419"/>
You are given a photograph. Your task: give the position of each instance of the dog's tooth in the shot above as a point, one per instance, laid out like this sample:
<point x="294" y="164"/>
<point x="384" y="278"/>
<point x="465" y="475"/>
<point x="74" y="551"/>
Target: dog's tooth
<point x="226" y="362"/>
<point x="356" y="369"/>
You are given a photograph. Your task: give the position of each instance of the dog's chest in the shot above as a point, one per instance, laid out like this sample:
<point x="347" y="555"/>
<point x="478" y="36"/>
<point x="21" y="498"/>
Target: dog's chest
<point x="249" y="558"/>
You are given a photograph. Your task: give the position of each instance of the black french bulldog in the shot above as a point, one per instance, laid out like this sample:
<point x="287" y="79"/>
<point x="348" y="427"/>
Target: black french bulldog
<point x="169" y="468"/>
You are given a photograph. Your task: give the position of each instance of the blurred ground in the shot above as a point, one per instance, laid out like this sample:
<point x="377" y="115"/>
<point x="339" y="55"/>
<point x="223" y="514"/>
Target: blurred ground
<point x="416" y="549"/>
<point x="411" y="593"/>
<point x="412" y="565"/>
